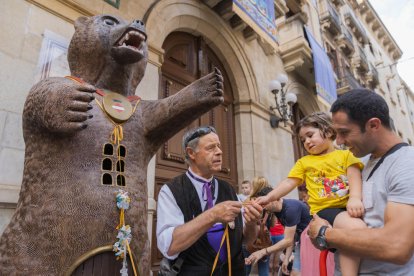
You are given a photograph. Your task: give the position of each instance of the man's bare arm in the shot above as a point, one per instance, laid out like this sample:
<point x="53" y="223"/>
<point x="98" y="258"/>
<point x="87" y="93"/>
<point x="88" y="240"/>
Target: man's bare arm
<point x="187" y="234"/>
<point x="393" y="243"/>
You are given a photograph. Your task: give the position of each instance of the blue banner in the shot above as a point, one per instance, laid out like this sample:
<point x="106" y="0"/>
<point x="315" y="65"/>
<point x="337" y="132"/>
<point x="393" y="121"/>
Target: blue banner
<point x="324" y="74"/>
<point x="259" y="15"/>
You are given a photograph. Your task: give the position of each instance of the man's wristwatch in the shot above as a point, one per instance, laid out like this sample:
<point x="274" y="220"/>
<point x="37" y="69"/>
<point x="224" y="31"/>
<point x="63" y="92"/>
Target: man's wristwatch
<point x="321" y="238"/>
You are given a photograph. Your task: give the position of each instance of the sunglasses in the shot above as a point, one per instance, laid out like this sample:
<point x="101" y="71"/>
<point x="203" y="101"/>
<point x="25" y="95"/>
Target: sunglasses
<point x="199" y="132"/>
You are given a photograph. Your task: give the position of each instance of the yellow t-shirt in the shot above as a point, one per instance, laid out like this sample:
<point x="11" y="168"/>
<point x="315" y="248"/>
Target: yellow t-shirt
<point x="325" y="177"/>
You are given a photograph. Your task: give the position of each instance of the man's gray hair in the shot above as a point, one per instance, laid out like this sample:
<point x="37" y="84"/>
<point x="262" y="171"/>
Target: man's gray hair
<point x="192" y="137"/>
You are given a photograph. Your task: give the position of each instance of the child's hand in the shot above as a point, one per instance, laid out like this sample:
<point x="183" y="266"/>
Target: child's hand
<point x="263" y="200"/>
<point x="355" y="207"/>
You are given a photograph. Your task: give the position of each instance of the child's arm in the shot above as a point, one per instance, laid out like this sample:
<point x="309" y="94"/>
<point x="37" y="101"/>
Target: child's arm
<point x="284" y="187"/>
<point x="355" y="207"/>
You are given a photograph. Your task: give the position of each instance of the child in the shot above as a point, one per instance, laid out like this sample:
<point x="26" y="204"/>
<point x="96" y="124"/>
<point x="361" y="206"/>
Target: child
<point x="333" y="180"/>
<point x="246" y="188"/>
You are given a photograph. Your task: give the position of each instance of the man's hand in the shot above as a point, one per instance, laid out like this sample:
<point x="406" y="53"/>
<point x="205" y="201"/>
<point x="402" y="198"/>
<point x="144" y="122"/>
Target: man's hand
<point x="226" y="211"/>
<point x="255" y="257"/>
<point x="355" y="207"/>
<point x="314" y="227"/>
<point x="252" y="213"/>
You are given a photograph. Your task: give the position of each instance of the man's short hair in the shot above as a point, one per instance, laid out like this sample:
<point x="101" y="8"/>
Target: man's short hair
<point x="362" y="105"/>
<point x="191" y="138"/>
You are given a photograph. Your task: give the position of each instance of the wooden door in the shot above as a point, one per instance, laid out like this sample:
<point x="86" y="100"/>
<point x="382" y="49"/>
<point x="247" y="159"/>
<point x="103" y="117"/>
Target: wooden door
<point x="186" y="59"/>
<point x="102" y="264"/>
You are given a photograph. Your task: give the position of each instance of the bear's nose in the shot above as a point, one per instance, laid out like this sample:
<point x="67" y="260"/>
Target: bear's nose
<point x="138" y="22"/>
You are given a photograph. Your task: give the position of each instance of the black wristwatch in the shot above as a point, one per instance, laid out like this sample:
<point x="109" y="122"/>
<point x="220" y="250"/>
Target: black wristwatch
<point x="321" y="238"/>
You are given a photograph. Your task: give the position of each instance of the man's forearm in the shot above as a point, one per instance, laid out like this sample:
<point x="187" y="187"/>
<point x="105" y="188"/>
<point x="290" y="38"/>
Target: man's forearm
<point x="367" y="243"/>
<point x="187" y="234"/>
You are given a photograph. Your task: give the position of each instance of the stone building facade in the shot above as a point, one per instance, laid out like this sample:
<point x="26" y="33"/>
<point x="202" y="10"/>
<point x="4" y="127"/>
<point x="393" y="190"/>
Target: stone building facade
<point x="186" y="38"/>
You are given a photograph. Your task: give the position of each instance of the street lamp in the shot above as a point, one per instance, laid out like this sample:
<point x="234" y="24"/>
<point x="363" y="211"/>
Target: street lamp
<point x="284" y="101"/>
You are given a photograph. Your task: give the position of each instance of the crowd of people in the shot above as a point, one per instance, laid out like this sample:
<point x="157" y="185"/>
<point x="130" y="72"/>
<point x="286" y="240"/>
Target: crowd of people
<point x="362" y="212"/>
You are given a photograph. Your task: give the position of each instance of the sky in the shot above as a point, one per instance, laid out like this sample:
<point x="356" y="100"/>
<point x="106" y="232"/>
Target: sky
<point x="398" y="17"/>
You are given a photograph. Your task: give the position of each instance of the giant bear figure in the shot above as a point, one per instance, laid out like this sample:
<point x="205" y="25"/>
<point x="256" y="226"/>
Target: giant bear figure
<point x="67" y="204"/>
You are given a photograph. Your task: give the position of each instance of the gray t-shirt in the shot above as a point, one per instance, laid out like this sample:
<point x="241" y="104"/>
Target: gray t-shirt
<point x="392" y="181"/>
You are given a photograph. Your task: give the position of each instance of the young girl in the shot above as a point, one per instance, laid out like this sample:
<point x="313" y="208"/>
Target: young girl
<point x="332" y="177"/>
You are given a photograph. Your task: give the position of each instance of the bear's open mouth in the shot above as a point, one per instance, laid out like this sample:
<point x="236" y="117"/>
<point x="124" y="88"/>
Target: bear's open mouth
<point x="132" y="39"/>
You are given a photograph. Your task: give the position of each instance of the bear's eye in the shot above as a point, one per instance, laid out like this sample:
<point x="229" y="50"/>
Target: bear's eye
<point x="110" y="21"/>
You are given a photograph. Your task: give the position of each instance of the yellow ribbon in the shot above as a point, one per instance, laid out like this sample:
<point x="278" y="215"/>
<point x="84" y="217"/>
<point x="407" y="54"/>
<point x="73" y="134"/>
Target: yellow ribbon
<point x="131" y="258"/>
<point x="225" y="236"/>
<point x="117" y="135"/>
<point x="121" y="219"/>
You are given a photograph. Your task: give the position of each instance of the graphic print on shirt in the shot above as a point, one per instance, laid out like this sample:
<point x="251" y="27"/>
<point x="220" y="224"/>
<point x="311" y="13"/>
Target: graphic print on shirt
<point x="335" y="187"/>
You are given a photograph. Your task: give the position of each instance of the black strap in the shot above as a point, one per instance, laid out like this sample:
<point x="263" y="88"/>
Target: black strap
<point x="176" y="267"/>
<point x="391" y="150"/>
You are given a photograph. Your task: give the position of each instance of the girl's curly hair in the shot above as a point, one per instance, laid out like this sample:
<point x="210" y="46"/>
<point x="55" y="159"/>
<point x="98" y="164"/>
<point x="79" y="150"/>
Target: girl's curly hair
<point x="319" y="120"/>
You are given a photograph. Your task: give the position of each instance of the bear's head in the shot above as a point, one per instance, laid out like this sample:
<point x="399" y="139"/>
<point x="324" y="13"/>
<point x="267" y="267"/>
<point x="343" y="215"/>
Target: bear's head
<point x="108" y="49"/>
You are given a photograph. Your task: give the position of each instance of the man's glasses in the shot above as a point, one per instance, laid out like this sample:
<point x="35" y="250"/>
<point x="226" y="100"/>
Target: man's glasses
<point x="197" y="133"/>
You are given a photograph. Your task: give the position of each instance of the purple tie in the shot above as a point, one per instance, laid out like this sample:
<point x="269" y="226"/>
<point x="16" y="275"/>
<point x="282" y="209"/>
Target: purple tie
<point x="215" y="233"/>
<point x="207" y="190"/>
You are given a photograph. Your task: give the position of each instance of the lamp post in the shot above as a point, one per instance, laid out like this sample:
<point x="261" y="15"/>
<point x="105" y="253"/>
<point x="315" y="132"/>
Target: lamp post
<point x="284" y="101"/>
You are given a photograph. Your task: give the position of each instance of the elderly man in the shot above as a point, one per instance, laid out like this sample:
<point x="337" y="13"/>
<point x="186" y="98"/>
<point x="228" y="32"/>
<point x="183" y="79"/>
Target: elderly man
<point x="196" y="209"/>
<point x="361" y="119"/>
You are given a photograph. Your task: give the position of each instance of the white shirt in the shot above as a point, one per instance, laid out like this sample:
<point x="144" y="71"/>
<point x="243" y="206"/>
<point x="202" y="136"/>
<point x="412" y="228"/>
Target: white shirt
<point x="169" y="215"/>
<point x="242" y="197"/>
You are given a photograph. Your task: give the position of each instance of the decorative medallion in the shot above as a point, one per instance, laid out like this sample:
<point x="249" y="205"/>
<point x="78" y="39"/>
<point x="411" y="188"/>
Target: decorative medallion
<point x="117" y="107"/>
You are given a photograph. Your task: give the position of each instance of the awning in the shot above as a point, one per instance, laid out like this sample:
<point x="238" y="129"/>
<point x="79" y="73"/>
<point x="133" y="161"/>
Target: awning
<point x="324" y="74"/>
<point x="259" y="15"/>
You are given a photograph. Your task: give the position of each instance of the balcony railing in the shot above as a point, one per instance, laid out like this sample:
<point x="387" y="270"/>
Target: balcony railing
<point x="356" y="27"/>
<point x="330" y="18"/>
<point x="360" y="60"/>
<point x="346" y="33"/>
<point x="347" y="82"/>
<point x="294" y="48"/>
<point x="345" y="41"/>
<point x="372" y="76"/>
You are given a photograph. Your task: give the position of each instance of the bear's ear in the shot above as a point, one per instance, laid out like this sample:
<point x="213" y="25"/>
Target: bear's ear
<point x="80" y="21"/>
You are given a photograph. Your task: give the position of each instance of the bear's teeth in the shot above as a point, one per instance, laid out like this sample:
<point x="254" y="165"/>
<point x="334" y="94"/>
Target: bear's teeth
<point x="127" y="36"/>
<point x="124" y="44"/>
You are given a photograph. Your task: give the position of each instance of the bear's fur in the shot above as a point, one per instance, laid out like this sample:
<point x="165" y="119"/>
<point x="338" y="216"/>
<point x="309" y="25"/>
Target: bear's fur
<point x="64" y="211"/>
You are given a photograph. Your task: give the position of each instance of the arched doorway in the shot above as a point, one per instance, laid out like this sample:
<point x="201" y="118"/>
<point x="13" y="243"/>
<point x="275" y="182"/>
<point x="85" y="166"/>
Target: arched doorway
<point x="186" y="59"/>
<point x="101" y="261"/>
